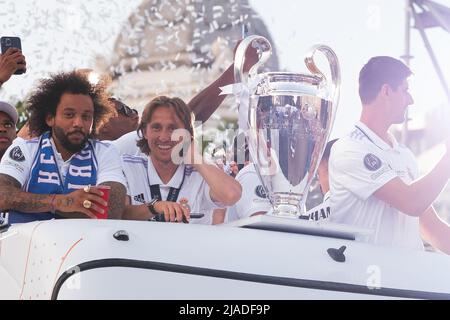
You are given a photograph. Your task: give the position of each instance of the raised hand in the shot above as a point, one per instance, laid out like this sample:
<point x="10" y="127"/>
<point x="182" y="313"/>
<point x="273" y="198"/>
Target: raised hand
<point x="251" y="56"/>
<point x="11" y="61"/>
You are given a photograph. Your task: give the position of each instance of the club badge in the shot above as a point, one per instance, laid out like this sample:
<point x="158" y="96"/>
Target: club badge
<point x="260" y="192"/>
<point x="372" y="162"/>
<point x="16" y="154"/>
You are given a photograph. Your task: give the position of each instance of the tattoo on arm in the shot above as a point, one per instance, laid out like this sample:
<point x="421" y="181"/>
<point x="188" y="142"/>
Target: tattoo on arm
<point x="69" y="202"/>
<point x="12" y="197"/>
<point x="116" y="203"/>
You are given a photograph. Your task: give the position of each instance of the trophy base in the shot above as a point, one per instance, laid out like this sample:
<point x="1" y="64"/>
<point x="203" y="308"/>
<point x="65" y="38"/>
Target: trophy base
<point x="285" y="211"/>
<point x="287" y="205"/>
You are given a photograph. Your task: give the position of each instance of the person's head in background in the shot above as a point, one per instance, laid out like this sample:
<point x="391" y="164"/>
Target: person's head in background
<point x="126" y="120"/>
<point x="322" y="170"/>
<point x="8" y="121"/>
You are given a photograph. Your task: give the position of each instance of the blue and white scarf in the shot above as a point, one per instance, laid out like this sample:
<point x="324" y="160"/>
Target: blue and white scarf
<point x="45" y="177"/>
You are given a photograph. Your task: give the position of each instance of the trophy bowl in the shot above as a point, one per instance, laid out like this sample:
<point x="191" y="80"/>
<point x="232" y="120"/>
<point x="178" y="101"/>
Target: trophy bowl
<point x="290" y="116"/>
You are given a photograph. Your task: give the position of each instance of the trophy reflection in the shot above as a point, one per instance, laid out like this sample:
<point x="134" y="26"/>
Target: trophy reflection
<point x="290" y="116"/>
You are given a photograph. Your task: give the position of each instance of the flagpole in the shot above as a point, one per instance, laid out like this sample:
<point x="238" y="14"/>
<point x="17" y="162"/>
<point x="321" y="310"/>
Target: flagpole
<point x="430" y="51"/>
<point x="407" y="60"/>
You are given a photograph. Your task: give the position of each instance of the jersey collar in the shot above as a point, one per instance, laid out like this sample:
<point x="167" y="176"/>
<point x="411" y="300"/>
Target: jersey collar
<point x="154" y="178"/>
<point x="375" y="139"/>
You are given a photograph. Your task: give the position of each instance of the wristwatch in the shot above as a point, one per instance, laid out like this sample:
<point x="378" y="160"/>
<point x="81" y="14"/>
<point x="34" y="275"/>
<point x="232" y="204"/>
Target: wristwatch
<point x="150" y="206"/>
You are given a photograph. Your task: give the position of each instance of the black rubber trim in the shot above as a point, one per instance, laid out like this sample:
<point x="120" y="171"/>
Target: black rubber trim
<point x="290" y="282"/>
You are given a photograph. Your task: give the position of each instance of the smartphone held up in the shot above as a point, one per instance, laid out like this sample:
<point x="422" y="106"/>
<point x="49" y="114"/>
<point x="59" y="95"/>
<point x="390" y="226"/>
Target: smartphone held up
<point x="12" y="42"/>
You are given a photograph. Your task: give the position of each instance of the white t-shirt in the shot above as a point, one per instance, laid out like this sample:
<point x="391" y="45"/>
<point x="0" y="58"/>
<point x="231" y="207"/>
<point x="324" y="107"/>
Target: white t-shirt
<point x="109" y="166"/>
<point x="360" y="164"/>
<point x="126" y="144"/>
<point x="253" y="197"/>
<point x="140" y="174"/>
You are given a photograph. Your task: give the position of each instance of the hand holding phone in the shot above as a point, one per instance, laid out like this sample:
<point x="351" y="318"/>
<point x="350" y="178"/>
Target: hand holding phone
<point x="12" y="60"/>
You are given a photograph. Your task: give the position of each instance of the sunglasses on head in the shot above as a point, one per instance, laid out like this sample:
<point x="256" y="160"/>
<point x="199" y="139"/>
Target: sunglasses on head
<point x="123" y="108"/>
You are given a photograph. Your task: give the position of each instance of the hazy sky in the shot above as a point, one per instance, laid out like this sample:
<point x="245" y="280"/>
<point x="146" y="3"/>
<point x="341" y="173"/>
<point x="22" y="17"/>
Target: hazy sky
<point x="65" y="34"/>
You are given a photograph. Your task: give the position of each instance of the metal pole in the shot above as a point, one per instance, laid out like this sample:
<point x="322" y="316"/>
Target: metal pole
<point x="431" y="54"/>
<point x="407" y="56"/>
<point x="407" y="59"/>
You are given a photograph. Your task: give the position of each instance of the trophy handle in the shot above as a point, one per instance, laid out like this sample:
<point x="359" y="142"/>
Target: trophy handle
<point x="334" y="67"/>
<point x="264" y="49"/>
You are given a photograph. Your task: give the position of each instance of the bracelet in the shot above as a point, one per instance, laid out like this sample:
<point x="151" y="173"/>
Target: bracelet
<point x="151" y="208"/>
<point x="52" y="204"/>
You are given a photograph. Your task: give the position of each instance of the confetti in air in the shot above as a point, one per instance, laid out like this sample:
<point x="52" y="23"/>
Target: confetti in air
<point x="149" y="47"/>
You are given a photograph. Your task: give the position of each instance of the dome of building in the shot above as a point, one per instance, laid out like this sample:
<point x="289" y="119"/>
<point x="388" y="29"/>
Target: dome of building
<point x="170" y="33"/>
<point x="178" y="47"/>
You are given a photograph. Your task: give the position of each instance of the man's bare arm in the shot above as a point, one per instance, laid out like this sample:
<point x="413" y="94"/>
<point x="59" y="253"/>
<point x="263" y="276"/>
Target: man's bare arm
<point x="116" y="202"/>
<point x="435" y="231"/>
<point x="209" y="99"/>
<point x="12" y="197"/>
<point x="416" y="198"/>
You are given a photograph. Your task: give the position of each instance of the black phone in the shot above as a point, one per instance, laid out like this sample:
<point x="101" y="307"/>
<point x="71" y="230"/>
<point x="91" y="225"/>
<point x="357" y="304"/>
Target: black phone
<point x="11" y="42"/>
<point x="160" y="217"/>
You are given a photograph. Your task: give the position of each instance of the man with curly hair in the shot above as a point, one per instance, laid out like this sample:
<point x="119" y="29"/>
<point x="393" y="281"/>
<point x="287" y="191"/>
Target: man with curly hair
<point x="51" y="176"/>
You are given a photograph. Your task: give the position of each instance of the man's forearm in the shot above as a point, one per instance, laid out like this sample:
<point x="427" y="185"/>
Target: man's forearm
<point x="435" y="231"/>
<point x="12" y="198"/>
<point x="209" y="99"/>
<point x="416" y="198"/>
<point x="116" y="202"/>
<point x="424" y="191"/>
<point x="223" y="188"/>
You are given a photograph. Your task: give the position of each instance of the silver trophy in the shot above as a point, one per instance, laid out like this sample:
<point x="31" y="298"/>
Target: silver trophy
<point x="290" y="116"/>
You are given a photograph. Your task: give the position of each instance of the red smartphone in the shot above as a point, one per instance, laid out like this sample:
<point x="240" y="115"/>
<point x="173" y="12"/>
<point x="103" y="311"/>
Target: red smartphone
<point x="11" y="42"/>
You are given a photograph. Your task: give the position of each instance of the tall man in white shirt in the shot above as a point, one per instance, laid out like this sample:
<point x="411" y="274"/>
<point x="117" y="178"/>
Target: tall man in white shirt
<point x="50" y="176"/>
<point x="374" y="180"/>
<point x="163" y="182"/>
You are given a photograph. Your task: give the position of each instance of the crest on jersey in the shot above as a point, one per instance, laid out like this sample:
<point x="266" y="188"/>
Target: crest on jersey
<point x="261" y="192"/>
<point x="372" y="162"/>
<point x="17" y="154"/>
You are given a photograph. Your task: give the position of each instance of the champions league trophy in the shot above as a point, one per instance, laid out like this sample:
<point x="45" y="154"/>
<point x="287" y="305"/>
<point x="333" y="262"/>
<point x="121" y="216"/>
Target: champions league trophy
<point x="290" y="116"/>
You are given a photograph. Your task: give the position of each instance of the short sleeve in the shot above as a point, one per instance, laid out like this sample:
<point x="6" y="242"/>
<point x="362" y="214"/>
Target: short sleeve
<point x="123" y="166"/>
<point x="360" y="170"/>
<point x="17" y="160"/>
<point x="109" y="164"/>
<point x="254" y="198"/>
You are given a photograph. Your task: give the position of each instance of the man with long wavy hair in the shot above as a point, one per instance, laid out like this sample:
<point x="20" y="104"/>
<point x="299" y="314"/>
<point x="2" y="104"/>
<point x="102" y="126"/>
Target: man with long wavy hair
<point x="172" y="178"/>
